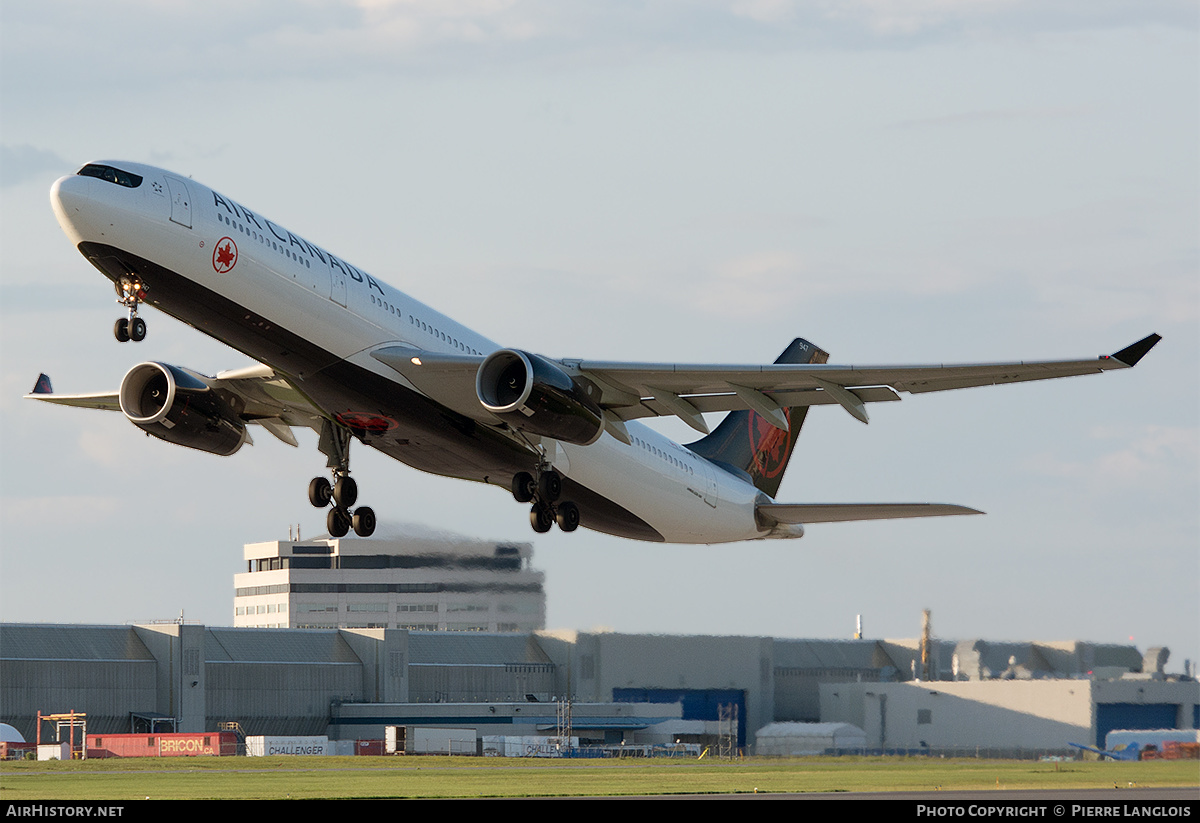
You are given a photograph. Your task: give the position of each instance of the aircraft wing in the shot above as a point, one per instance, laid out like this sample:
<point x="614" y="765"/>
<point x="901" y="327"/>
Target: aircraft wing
<point x="260" y="395"/>
<point x="767" y="388"/>
<point x="628" y="391"/>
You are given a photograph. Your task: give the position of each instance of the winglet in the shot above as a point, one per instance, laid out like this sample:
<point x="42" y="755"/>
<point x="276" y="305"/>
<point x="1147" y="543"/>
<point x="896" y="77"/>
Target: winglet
<point x="42" y="386"/>
<point x="1130" y="355"/>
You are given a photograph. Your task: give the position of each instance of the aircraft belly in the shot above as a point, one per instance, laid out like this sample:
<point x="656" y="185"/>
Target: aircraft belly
<point x="670" y="502"/>
<point x="229" y="320"/>
<point x="399" y="421"/>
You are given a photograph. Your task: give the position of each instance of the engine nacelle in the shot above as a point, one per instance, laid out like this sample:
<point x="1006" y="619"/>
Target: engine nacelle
<point x="176" y="405"/>
<point x="533" y="394"/>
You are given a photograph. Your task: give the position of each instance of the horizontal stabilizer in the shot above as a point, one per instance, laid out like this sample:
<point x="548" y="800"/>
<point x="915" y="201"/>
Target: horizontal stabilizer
<point x="42" y="390"/>
<point x="805" y="513"/>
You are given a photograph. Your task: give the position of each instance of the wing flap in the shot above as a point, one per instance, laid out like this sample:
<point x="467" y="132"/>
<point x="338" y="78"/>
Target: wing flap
<point x="653" y="407"/>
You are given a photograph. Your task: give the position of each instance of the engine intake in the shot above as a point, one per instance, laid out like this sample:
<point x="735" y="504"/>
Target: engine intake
<point x="177" y="406"/>
<point x="533" y="394"/>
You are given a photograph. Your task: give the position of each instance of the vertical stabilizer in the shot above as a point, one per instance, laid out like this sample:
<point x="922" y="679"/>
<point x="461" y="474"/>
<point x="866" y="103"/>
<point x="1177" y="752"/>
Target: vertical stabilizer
<point x="745" y="441"/>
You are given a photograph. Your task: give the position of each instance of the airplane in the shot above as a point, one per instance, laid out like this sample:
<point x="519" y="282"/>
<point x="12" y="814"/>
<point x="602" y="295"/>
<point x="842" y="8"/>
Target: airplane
<point x="354" y="359"/>
<point x="1125" y="751"/>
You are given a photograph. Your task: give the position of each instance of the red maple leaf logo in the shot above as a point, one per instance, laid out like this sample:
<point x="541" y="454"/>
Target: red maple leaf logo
<point x="225" y="255"/>
<point x="770" y="445"/>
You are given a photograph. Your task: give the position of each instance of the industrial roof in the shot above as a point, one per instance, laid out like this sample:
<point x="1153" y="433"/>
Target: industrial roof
<point x="28" y="641"/>
<point x="276" y="646"/>
<point x="830" y="654"/>
<point x="476" y="648"/>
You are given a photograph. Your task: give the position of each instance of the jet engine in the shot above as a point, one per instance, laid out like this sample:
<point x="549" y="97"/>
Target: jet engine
<point x="534" y="394"/>
<point x="178" y="406"/>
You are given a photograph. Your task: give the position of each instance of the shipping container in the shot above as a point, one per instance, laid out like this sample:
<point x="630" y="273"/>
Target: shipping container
<point x="178" y="744"/>
<point x="17" y="751"/>
<point x="369" y="747"/>
<point x="425" y="740"/>
<point x="528" y="746"/>
<point x="267" y="745"/>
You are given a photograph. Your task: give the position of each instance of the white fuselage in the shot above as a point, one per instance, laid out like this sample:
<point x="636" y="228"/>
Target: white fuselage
<point x="295" y="286"/>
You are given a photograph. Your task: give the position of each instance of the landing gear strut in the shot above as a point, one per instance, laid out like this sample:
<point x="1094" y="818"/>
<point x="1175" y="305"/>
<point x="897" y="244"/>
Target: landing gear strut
<point x="544" y="492"/>
<point x="343" y="491"/>
<point x="132" y="292"/>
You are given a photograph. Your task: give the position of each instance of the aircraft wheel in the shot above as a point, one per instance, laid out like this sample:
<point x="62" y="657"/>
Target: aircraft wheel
<point x="540" y="519"/>
<point x="137" y="329"/>
<point x="549" y="486"/>
<point x="345" y="491"/>
<point x="319" y="492"/>
<point x="568" y="516"/>
<point x="364" y="521"/>
<point x="524" y="487"/>
<point x="337" y="522"/>
<point x="121" y="330"/>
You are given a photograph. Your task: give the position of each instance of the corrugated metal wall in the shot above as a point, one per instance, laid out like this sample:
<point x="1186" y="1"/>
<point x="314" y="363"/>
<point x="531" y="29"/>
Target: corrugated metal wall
<point x="278" y="698"/>
<point x="107" y="689"/>
<point x="440" y="683"/>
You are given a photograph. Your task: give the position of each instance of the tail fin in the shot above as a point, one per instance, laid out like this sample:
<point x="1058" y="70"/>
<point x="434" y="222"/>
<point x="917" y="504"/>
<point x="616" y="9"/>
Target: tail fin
<point x="745" y="441"/>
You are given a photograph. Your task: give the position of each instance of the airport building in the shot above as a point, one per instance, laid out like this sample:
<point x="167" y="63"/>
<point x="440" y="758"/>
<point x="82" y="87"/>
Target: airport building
<point x="347" y="637"/>
<point x="417" y="582"/>
<point x="1037" y="698"/>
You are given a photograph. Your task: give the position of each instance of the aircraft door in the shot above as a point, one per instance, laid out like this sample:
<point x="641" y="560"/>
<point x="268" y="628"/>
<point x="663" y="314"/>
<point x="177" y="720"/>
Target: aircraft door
<point x="710" y="484"/>
<point x="181" y="201"/>
<point x="337" y="284"/>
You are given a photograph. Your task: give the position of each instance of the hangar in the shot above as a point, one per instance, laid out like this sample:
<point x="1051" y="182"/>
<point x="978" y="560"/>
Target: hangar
<point x="349" y="683"/>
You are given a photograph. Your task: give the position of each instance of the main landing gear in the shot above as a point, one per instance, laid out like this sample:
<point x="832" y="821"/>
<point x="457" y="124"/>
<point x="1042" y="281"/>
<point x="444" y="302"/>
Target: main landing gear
<point x="544" y="492"/>
<point x="343" y="491"/>
<point x="132" y="292"/>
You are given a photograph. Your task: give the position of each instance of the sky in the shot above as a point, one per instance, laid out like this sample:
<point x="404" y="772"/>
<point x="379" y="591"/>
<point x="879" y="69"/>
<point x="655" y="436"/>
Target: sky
<point x="914" y="181"/>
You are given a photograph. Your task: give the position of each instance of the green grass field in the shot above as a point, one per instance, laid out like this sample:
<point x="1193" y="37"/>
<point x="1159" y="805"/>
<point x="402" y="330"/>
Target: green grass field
<point x="473" y="777"/>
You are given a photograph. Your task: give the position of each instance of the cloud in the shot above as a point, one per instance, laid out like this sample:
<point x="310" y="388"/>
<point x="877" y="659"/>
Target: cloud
<point x="326" y="40"/>
<point x="78" y="508"/>
<point x="769" y="282"/>
<point x="22" y="163"/>
<point x="1162" y="455"/>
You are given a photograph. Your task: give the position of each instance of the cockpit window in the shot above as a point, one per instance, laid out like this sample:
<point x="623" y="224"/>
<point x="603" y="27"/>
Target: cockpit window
<point x="121" y="178"/>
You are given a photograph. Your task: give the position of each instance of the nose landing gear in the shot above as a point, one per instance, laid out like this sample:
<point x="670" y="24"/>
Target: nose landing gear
<point x="544" y="492"/>
<point x="132" y="292"/>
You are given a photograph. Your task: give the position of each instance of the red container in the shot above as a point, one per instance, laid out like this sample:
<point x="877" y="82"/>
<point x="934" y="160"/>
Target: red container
<point x="372" y="747"/>
<point x="16" y="751"/>
<point x="1176" y="750"/>
<point x="200" y="744"/>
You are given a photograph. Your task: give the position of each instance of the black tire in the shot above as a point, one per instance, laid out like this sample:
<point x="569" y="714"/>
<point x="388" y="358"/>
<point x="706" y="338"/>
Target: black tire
<point x="568" y="516"/>
<point x="319" y="492"/>
<point x="337" y="522"/>
<point x="540" y="519"/>
<point x="345" y="492"/>
<point x="137" y="329"/>
<point x="524" y="487"/>
<point x="364" y="521"/>
<point x="549" y="486"/>
<point x="121" y="330"/>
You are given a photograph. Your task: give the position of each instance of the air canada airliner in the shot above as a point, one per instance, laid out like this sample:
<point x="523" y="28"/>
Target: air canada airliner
<point x="352" y="358"/>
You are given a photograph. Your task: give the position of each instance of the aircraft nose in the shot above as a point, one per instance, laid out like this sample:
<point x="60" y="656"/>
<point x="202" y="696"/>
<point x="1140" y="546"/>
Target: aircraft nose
<point x="69" y="197"/>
